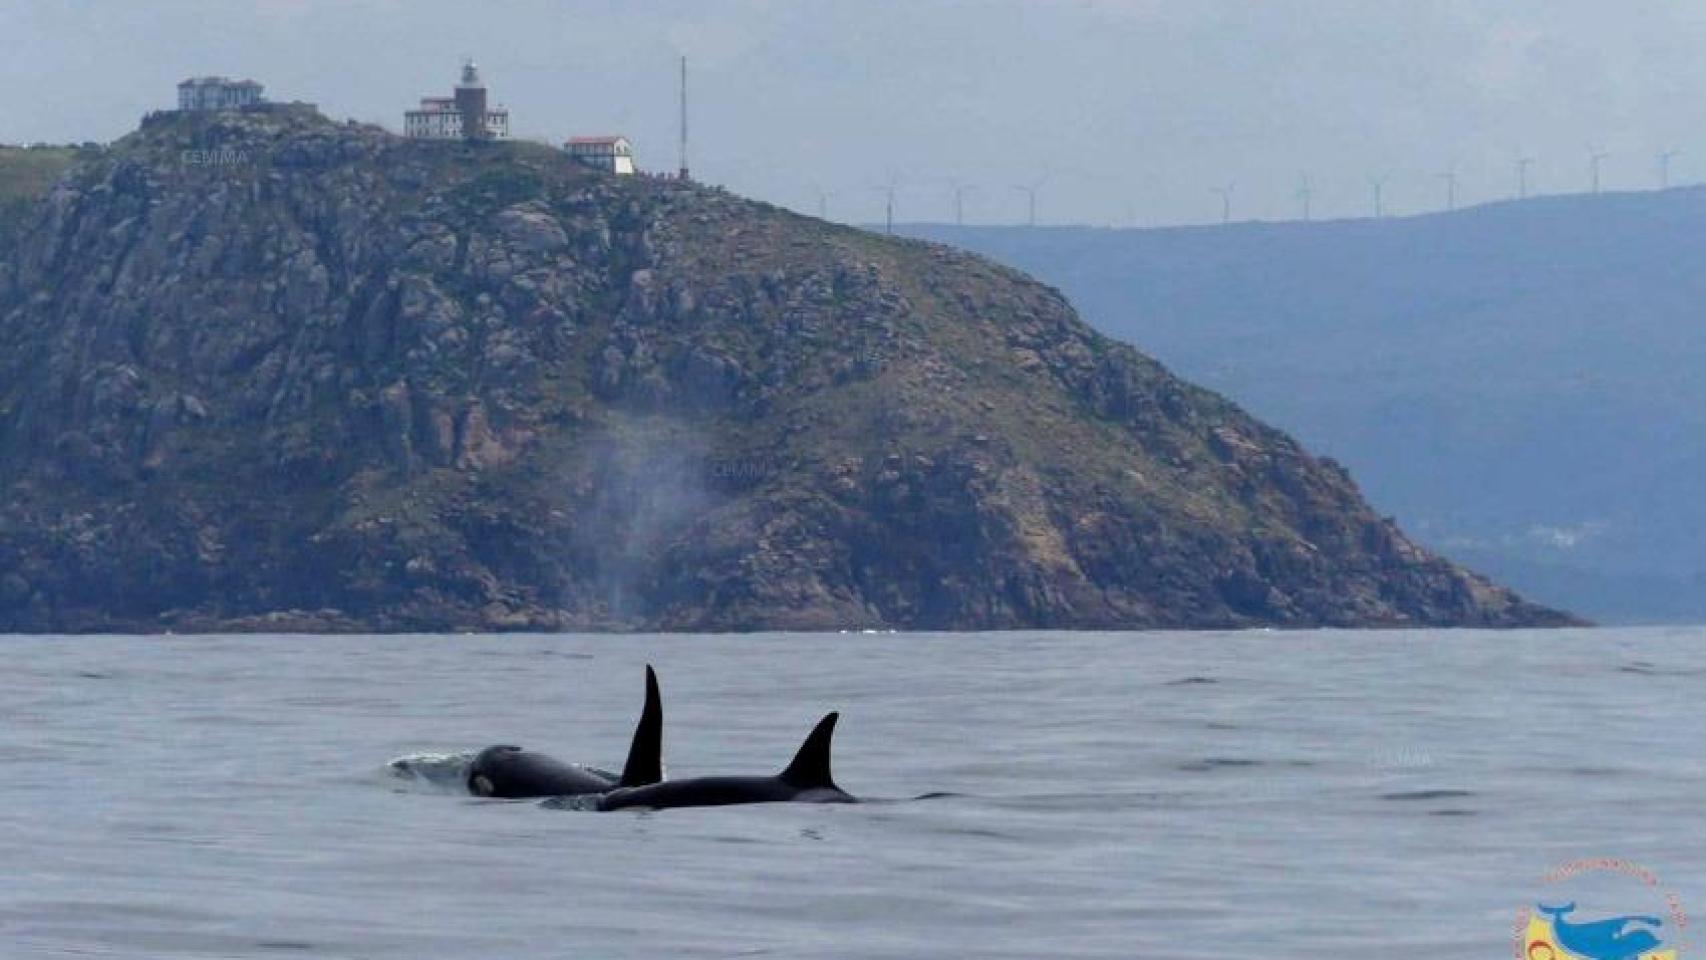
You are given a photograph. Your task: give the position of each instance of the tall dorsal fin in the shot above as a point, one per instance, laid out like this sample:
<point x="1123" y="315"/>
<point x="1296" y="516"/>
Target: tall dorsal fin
<point x="810" y="768"/>
<point x="645" y="754"/>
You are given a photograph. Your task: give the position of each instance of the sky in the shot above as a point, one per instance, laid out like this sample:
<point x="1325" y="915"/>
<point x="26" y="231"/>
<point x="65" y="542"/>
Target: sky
<point x="1116" y="112"/>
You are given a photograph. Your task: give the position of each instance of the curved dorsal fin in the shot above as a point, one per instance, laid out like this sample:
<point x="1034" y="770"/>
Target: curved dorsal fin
<point x="810" y="768"/>
<point x="645" y="754"/>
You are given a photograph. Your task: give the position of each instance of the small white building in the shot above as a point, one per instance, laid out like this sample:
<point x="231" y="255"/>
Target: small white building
<point x="217" y="93"/>
<point x="611" y="154"/>
<point x="441" y="118"/>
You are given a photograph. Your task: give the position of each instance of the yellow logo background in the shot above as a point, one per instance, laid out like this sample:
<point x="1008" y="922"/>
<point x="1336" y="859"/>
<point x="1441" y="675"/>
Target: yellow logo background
<point x="1540" y="944"/>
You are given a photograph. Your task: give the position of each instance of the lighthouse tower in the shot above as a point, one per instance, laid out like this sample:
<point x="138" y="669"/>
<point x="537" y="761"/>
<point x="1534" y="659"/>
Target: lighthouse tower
<point x="471" y="102"/>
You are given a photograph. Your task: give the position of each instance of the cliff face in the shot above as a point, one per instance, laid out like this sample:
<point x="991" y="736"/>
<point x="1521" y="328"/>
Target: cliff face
<point x="260" y="370"/>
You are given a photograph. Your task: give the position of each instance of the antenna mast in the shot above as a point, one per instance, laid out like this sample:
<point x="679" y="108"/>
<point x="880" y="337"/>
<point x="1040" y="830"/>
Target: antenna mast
<point x="684" y="174"/>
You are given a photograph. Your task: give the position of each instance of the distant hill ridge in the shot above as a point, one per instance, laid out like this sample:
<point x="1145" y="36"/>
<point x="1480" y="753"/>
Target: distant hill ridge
<point x="1519" y="383"/>
<point x="263" y="371"/>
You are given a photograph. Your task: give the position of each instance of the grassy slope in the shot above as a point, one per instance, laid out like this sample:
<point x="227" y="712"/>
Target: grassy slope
<point x="26" y="174"/>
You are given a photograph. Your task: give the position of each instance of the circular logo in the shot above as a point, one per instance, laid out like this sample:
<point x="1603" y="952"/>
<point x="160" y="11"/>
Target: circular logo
<point x="1602" y="909"/>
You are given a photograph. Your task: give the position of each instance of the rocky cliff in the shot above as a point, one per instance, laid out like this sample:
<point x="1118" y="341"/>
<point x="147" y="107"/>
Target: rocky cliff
<point x="260" y="370"/>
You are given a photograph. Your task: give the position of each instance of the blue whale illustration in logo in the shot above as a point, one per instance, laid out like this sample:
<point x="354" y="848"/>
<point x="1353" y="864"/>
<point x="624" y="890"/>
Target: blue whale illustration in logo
<point x="1603" y="939"/>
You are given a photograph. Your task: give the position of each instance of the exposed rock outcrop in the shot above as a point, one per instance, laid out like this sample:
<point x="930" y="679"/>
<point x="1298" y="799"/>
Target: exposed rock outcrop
<point x="263" y="371"/>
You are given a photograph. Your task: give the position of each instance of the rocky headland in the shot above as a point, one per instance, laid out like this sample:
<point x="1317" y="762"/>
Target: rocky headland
<point x="264" y="371"/>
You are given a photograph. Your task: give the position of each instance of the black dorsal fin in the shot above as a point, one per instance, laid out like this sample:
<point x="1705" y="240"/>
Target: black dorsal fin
<point x="810" y="768"/>
<point x="645" y="754"/>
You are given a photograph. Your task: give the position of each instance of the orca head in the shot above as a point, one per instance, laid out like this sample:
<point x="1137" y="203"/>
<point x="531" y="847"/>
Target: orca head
<point x="645" y="753"/>
<point x="809" y="773"/>
<point x="479" y="783"/>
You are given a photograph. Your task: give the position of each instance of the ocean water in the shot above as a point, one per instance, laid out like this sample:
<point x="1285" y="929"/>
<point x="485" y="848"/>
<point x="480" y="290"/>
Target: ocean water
<point x="1147" y="795"/>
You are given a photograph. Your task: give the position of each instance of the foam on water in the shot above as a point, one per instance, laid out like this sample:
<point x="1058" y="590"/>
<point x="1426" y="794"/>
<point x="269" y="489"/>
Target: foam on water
<point x="582" y="803"/>
<point x="433" y="772"/>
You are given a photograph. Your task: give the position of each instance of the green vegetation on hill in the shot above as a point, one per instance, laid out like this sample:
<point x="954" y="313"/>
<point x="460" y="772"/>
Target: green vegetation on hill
<point x="261" y="370"/>
<point x="26" y="174"/>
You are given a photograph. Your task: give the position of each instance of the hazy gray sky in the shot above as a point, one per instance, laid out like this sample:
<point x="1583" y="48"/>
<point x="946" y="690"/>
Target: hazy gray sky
<point x="1134" y="110"/>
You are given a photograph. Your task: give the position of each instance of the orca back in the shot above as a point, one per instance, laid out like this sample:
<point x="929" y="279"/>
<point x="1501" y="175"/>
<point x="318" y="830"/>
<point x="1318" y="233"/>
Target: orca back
<point x="807" y="779"/>
<point x="513" y="773"/>
<point x="699" y="792"/>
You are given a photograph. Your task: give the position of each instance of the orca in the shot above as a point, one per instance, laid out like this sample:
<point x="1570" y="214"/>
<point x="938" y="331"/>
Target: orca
<point x="806" y="780"/>
<point x="511" y="773"/>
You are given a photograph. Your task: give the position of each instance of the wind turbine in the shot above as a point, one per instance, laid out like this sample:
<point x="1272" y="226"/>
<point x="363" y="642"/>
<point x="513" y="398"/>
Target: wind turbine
<point x="1030" y="192"/>
<point x="1664" y="167"/>
<point x="1225" y="194"/>
<point x="960" y="191"/>
<point x="1596" y="156"/>
<point x="1450" y="178"/>
<point x="888" y="190"/>
<point x="823" y="202"/>
<point x="1379" y="185"/>
<point x="1522" y="165"/>
<point x="1305" y="193"/>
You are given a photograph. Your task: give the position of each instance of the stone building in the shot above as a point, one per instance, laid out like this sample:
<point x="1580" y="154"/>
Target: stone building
<point x="464" y="115"/>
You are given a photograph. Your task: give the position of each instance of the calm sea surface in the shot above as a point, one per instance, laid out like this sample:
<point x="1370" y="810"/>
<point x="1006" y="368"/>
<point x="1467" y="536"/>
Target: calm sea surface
<point x="1289" y="795"/>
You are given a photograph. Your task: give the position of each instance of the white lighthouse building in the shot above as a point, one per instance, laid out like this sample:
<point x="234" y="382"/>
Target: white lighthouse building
<point x="463" y="116"/>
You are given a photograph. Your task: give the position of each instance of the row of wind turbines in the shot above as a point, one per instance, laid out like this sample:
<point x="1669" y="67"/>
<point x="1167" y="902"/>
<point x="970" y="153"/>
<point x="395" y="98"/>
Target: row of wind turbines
<point x="889" y="189"/>
<point x="1377" y="184"/>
